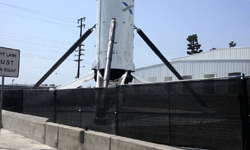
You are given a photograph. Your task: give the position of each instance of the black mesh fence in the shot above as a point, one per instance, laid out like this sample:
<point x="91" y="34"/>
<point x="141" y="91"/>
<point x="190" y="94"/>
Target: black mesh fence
<point x="211" y="114"/>
<point x="13" y="100"/>
<point x="39" y="103"/>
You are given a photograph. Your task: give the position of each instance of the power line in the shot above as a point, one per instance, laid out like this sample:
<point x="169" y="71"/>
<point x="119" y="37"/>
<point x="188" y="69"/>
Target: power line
<point x="43" y="55"/>
<point x="36" y="19"/>
<point x="138" y="43"/>
<point x="16" y="35"/>
<point x="49" y="67"/>
<point x="20" y="38"/>
<point x="33" y="43"/>
<point x="54" y="16"/>
<point x="41" y="13"/>
<point x="29" y="45"/>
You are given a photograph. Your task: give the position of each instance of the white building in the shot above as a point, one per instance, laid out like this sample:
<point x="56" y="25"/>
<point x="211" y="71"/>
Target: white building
<point x="222" y="62"/>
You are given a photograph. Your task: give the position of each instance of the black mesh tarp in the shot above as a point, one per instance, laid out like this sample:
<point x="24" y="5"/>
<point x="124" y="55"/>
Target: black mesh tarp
<point x="166" y="113"/>
<point x="13" y="100"/>
<point x="39" y="103"/>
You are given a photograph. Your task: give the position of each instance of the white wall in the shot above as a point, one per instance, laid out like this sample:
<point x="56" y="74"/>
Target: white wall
<point x="196" y="68"/>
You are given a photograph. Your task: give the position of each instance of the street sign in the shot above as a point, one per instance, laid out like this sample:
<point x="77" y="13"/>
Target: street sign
<point x="9" y="67"/>
<point x="9" y="62"/>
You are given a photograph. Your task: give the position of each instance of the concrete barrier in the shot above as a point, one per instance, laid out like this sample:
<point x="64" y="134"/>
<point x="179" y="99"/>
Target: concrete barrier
<point x="96" y="141"/>
<point x="29" y="126"/>
<point x="51" y="134"/>
<point x="123" y="143"/>
<point x="71" y="138"/>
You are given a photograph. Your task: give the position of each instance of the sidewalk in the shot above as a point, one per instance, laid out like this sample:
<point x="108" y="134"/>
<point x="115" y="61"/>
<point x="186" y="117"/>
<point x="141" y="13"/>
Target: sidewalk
<point x="12" y="141"/>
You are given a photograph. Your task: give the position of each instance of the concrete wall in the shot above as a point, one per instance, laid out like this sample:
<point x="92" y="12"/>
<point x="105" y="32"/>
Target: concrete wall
<point x="66" y="138"/>
<point x="123" y="143"/>
<point x="71" y="138"/>
<point x="29" y="126"/>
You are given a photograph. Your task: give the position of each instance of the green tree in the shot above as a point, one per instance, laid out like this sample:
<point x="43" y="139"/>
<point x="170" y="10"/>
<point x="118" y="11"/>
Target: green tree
<point x="193" y="45"/>
<point x="232" y="44"/>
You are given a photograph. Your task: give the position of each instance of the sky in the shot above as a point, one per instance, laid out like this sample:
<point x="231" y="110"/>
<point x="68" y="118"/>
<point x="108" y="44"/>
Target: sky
<point x="43" y="30"/>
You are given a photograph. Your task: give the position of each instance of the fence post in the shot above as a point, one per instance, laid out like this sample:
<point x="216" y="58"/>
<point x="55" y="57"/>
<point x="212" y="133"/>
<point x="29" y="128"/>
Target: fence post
<point x="117" y="110"/>
<point x="169" y="109"/>
<point x="244" y="112"/>
<point x="55" y="111"/>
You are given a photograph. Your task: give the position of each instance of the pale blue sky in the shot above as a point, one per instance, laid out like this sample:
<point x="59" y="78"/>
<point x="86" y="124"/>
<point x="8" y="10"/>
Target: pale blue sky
<point x="43" y="30"/>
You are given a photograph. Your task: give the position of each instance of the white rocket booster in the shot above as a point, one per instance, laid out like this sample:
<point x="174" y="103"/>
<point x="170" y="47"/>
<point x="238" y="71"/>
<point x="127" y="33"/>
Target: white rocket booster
<point x="122" y="13"/>
<point x="122" y="57"/>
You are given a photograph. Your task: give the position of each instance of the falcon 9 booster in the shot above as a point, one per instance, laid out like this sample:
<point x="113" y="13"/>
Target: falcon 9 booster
<point x="122" y="56"/>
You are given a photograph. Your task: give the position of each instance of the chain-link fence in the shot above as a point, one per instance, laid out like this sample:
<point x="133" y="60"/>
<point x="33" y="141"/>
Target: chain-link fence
<point x="211" y="114"/>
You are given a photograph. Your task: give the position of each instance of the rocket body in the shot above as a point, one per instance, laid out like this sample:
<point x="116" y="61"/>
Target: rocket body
<point x="122" y="57"/>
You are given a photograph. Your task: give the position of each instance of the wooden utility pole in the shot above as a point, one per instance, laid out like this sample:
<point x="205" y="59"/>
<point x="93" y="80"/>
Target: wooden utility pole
<point x="80" y="46"/>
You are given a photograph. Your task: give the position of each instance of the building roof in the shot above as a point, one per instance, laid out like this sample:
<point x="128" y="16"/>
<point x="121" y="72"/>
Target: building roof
<point x="237" y="53"/>
<point x="240" y="53"/>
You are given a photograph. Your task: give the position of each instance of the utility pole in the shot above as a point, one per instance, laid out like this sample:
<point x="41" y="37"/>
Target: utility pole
<point x="80" y="46"/>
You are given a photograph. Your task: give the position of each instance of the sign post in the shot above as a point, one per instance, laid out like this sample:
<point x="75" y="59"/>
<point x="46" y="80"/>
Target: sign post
<point x="9" y="67"/>
<point x="1" y="103"/>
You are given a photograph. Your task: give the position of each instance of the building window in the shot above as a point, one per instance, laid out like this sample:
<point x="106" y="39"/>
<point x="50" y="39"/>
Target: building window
<point x="187" y="77"/>
<point x="152" y="79"/>
<point x="168" y="79"/>
<point x="209" y="76"/>
<point x="231" y="74"/>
